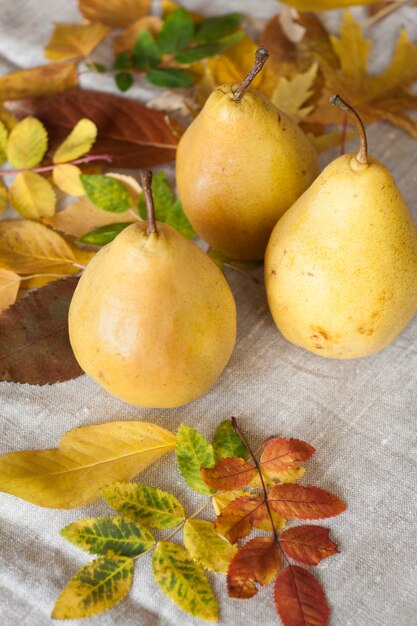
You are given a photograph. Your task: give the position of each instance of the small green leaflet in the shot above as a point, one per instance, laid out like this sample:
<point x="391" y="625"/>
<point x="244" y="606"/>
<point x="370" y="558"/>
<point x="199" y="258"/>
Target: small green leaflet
<point x="104" y="234"/>
<point x="109" y="536"/>
<point x="123" y="80"/>
<point x="194" y="452"/>
<point x="106" y="193"/>
<point x="207" y="547"/>
<point x="122" y="61"/>
<point x="184" y="581"/>
<point x="177" y="32"/>
<point x="95" y="588"/>
<point x="226" y="443"/>
<point x="208" y="49"/>
<point x="96" y="67"/>
<point x="150" y="507"/>
<point x="146" y="53"/>
<point x="169" y="77"/>
<point x="215" y="28"/>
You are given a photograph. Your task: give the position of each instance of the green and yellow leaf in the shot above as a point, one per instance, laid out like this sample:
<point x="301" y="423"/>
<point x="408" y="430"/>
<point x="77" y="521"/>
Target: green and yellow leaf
<point x="78" y="142"/>
<point x="222" y="498"/>
<point x="74" y="40"/>
<point x="207" y="547"/>
<point x="38" y="81"/>
<point x="32" y="196"/>
<point x="9" y="286"/>
<point x="226" y="443"/>
<point x="106" y="193"/>
<point x="194" y="452"/>
<point x="67" y="178"/>
<point x="4" y="135"/>
<point x="27" y="143"/>
<point x="290" y="95"/>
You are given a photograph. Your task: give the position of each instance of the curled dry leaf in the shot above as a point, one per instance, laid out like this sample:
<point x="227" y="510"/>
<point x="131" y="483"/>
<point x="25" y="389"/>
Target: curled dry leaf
<point x="299" y="502"/>
<point x="229" y="473"/>
<point x="9" y="286"/>
<point x="258" y="561"/>
<point x="74" y="40"/>
<point x="38" y="81"/>
<point x="299" y="598"/>
<point x="307" y="544"/>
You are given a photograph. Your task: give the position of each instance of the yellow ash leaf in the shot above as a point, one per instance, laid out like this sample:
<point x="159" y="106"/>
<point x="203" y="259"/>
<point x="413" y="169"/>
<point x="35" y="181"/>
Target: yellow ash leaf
<point x="9" y="286"/>
<point x="67" y="178"/>
<point x="74" y="40"/>
<point x="325" y="5"/>
<point x="126" y="40"/>
<point x="222" y="498"/>
<point x="207" y="547"/>
<point x="291" y="94"/>
<point x="3" y="142"/>
<point x="38" y="81"/>
<point x="4" y="196"/>
<point x="27" y="143"/>
<point x="129" y="183"/>
<point x="114" y="12"/>
<point x="78" y="142"/>
<point x="86" y="459"/>
<point x="32" y="196"/>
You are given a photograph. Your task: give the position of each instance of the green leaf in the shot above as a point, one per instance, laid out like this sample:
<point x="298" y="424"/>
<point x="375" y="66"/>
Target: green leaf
<point x="109" y="536"/>
<point x="146" y="53"/>
<point x="170" y="77"/>
<point x="206" y="546"/>
<point x="106" y="193"/>
<point x="122" y="61"/>
<point x="103" y="234"/>
<point x="95" y="588"/>
<point x="226" y="443"/>
<point x="215" y="28"/>
<point x="96" y="67"/>
<point x="177" y="32"/>
<point x="194" y="452"/>
<point x="184" y="581"/>
<point x="123" y="80"/>
<point x="207" y="50"/>
<point x="149" y="506"/>
<point x="178" y="220"/>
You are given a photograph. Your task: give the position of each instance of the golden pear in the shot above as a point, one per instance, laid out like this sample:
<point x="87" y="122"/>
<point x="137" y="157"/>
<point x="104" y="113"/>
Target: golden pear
<point x="240" y="165"/>
<point x="341" y="264"/>
<point x="152" y="319"/>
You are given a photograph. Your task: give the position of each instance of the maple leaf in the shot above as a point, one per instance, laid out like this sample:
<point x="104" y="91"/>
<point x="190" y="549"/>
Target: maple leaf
<point x="257" y="561"/>
<point x="229" y="473"/>
<point x="290" y="95"/>
<point x="299" y="502"/>
<point x="299" y="598"/>
<point x="307" y="544"/>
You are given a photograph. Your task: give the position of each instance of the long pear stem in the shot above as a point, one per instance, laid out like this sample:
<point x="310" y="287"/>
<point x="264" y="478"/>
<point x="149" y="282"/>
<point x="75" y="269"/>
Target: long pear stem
<point x="261" y="56"/>
<point x="362" y="156"/>
<point x="146" y="182"/>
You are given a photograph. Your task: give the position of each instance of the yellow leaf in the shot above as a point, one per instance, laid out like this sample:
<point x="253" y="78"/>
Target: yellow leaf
<point x="74" y="40"/>
<point x="126" y="40"/>
<point x="27" y="143"/>
<point x="114" y="12"/>
<point x="291" y="475"/>
<point x="129" y="183"/>
<point x="82" y="216"/>
<point x="325" y="5"/>
<point x="9" y="286"/>
<point x="291" y="94"/>
<point x="207" y="547"/>
<point x="67" y="178"/>
<point x="32" y="196"/>
<point x="86" y="459"/>
<point x="265" y="523"/>
<point x="38" y="81"/>
<point x="4" y="196"/>
<point x="78" y="142"/>
<point x="83" y="257"/>
<point x="3" y="142"/>
<point x="28" y="247"/>
<point x="222" y="498"/>
<point x="7" y="118"/>
<point x="351" y="48"/>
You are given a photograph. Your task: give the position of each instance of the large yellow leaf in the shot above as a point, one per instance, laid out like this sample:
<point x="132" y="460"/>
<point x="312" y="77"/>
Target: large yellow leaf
<point x="67" y="178"/>
<point x="3" y="142"/>
<point x="325" y="5"/>
<point x="27" y="143"/>
<point x="38" y="81"/>
<point x="82" y="257"/>
<point x="78" y="142"/>
<point x="291" y="94"/>
<point x="114" y="12"/>
<point x="74" y="40"/>
<point x="86" y="459"/>
<point x="4" y="196"/>
<point x="9" y="286"/>
<point x="28" y="247"/>
<point x="32" y="196"/>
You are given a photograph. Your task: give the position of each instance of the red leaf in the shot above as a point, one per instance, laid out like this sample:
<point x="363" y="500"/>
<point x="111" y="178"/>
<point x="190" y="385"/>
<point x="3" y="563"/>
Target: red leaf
<point x="132" y="134"/>
<point x="299" y="502"/>
<point x="299" y="598"/>
<point x="34" y="340"/>
<point x="237" y="518"/>
<point x="257" y="561"/>
<point x="280" y="454"/>
<point x="307" y="544"/>
<point x="228" y="474"/>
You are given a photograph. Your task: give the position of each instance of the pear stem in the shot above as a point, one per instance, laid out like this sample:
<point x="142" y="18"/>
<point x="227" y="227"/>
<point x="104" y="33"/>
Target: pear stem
<point x="261" y="56"/>
<point x="362" y="156"/>
<point x="146" y="182"/>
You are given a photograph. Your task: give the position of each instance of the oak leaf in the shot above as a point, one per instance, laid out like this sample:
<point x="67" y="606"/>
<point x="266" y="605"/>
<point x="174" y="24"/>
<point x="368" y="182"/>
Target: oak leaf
<point x="78" y="142"/>
<point x="299" y="502"/>
<point x="280" y="454"/>
<point x="9" y="286"/>
<point x="38" y="81"/>
<point x="299" y="598"/>
<point x="229" y="473"/>
<point x="32" y="196"/>
<point x="206" y="546"/>
<point x="114" y="12"/>
<point x="69" y="41"/>
<point x="27" y="143"/>
<point x="307" y="544"/>
<point x="258" y="561"/>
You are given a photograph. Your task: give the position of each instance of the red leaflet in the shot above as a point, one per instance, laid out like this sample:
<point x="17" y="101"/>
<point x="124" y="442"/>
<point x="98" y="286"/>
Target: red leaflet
<point x="228" y="474"/>
<point x="237" y="518"/>
<point x="299" y="598"/>
<point x="257" y="561"/>
<point x="307" y="544"/>
<point x="299" y="502"/>
<point x="280" y="454"/>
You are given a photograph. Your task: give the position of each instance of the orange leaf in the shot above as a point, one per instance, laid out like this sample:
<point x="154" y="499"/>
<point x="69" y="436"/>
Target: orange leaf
<point x="38" y="81"/>
<point x="307" y="544"/>
<point x="257" y="561"/>
<point x="299" y="502"/>
<point x="227" y="474"/>
<point x="299" y="598"/>
<point x="237" y="518"/>
<point x="114" y="12"/>
<point x="280" y="454"/>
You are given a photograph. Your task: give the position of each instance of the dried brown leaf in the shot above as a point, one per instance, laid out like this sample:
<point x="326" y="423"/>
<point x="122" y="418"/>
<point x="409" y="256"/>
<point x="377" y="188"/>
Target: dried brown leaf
<point x="38" y="81"/>
<point x="114" y="12"/>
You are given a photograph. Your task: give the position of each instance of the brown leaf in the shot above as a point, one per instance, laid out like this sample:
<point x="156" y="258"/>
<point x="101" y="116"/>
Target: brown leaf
<point x="299" y="502"/>
<point x="38" y="81"/>
<point x="34" y="342"/>
<point x="227" y="474"/>
<point x="299" y="598"/>
<point x="307" y="544"/>
<point x="236" y="519"/>
<point x="126" y="40"/>
<point x="132" y="134"/>
<point x="257" y="561"/>
<point x="280" y="454"/>
<point x="114" y="12"/>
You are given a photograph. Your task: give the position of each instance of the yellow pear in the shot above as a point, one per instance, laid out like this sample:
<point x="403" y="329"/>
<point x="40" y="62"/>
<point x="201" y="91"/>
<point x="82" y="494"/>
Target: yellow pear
<point x="152" y="319"/>
<point x="240" y="165"/>
<point x="341" y="264"/>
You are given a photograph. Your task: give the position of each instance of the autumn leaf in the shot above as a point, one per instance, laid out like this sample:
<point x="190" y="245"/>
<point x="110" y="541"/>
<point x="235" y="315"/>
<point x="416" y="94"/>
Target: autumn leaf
<point x="86" y="459"/>
<point x="206" y="546"/>
<point x="67" y="178"/>
<point x="104" y="234"/>
<point x="69" y="41"/>
<point x="299" y="502"/>
<point x="106" y="193"/>
<point x="125" y="42"/>
<point x="237" y="518"/>
<point x="227" y="474"/>
<point x="280" y="454"/>
<point x="222" y="498"/>
<point x="32" y="196"/>
<point x="4" y="136"/>
<point x="307" y="544"/>
<point x="325" y="5"/>
<point x="299" y="598"/>
<point x="114" y="12"/>
<point x="27" y="144"/>
<point x="78" y="142"/>
<point x="9" y="286"/>
<point x="38" y="81"/>
<point x="290" y="95"/>
<point x="4" y="197"/>
<point x="226" y="443"/>
<point x="258" y="561"/>
<point x="193" y="452"/>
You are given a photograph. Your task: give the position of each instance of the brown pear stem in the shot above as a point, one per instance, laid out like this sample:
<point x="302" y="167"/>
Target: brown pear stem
<point x="146" y="182"/>
<point x="362" y="156"/>
<point x="261" y="56"/>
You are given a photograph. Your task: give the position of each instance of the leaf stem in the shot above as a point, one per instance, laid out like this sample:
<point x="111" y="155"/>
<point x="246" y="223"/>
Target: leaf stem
<point x="43" y="276"/>
<point x="261" y="57"/>
<point x="146" y="182"/>
<point x="48" y="168"/>
<point x="362" y="156"/>
<point x="384" y="12"/>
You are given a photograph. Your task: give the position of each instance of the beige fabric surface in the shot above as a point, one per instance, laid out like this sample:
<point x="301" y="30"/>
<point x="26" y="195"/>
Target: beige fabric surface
<point x="360" y="415"/>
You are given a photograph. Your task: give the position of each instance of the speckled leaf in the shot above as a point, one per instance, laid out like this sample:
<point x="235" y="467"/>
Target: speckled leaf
<point x="78" y="142"/>
<point x="227" y="443"/>
<point x="27" y="143"/>
<point x="184" y="581"/>
<point x="9" y="286"/>
<point x="193" y="452"/>
<point x="106" y="193"/>
<point x="95" y="588"/>
<point x="32" y="196"/>
<point x="109" y="536"/>
<point x="149" y="506"/>
<point x="206" y="546"/>
<point x="67" y="178"/>
<point x="104" y="234"/>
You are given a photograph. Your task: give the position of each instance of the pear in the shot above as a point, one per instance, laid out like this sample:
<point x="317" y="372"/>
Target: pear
<point x="240" y="165"/>
<point x="152" y="319"/>
<point x="341" y="264"/>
